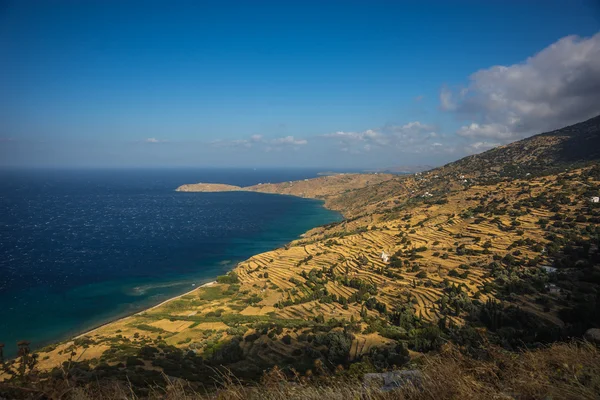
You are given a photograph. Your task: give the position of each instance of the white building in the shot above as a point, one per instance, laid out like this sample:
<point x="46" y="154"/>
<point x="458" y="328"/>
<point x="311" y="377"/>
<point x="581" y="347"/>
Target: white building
<point x="595" y="199"/>
<point x="385" y="257"/>
<point x="552" y="288"/>
<point x="549" y="269"/>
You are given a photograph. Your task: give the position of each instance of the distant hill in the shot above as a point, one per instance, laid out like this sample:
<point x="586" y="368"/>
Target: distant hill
<point x="402" y="169"/>
<point x="540" y="154"/>
<point x="359" y="194"/>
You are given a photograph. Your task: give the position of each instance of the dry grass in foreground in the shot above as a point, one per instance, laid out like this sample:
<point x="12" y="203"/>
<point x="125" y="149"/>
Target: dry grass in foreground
<point x="560" y="371"/>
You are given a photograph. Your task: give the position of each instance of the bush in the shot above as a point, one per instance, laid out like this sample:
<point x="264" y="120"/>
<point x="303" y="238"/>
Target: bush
<point x="133" y="361"/>
<point x="237" y="330"/>
<point x="251" y="337"/>
<point x="229" y="352"/>
<point x="149" y="328"/>
<point x="229" y="278"/>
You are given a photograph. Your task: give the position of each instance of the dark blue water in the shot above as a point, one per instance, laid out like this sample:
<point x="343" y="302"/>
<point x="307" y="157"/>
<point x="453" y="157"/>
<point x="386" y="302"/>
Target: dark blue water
<point x="78" y="248"/>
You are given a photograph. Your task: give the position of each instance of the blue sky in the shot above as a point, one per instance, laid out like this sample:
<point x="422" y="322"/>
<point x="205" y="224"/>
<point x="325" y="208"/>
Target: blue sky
<point x="343" y="84"/>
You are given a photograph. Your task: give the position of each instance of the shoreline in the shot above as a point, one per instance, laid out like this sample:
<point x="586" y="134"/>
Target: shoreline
<point x="207" y="284"/>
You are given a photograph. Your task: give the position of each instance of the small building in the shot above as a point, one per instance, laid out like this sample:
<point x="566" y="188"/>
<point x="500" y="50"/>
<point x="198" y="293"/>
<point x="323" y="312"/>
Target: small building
<point x="553" y="289"/>
<point x="385" y="257"/>
<point x="549" y="269"/>
<point x="595" y="199"/>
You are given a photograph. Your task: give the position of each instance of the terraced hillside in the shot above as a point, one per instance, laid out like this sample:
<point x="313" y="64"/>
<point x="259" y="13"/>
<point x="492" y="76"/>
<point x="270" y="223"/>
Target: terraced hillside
<point x="447" y="255"/>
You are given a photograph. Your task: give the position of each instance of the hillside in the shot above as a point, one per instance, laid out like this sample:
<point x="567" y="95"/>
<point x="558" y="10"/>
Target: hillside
<point x="327" y="188"/>
<point x="472" y="255"/>
<point x="540" y="154"/>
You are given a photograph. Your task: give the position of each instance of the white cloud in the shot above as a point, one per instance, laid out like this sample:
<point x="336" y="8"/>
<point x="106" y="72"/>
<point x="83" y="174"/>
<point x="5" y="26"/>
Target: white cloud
<point x="154" y="140"/>
<point x="414" y="130"/>
<point x="352" y="138"/>
<point x="413" y="137"/>
<point x="446" y="99"/>
<point x="497" y="131"/>
<point x="243" y="143"/>
<point x="556" y="87"/>
<point x="289" y="140"/>
<point x="346" y="136"/>
<point x="478" y="147"/>
<point x="274" y="144"/>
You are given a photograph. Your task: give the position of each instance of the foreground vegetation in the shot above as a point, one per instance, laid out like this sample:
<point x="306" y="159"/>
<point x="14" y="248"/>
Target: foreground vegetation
<point x="561" y="371"/>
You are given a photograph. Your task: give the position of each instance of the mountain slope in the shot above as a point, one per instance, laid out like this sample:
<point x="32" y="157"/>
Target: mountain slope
<point x="540" y="154"/>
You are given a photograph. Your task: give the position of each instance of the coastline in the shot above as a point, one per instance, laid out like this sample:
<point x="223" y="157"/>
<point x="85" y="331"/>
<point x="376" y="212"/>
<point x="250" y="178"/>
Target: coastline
<point x="103" y="323"/>
<point x="112" y="321"/>
<point x="206" y="284"/>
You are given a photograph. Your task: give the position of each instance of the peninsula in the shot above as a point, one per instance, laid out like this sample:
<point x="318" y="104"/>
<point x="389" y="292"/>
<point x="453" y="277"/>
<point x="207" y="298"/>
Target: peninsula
<point x="330" y="188"/>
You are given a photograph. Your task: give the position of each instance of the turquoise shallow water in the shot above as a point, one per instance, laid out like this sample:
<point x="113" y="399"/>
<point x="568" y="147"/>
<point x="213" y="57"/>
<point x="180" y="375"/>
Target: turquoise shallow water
<point x="80" y="248"/>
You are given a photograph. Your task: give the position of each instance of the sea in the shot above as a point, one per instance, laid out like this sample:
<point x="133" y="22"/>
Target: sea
<point x="79" y="248"/>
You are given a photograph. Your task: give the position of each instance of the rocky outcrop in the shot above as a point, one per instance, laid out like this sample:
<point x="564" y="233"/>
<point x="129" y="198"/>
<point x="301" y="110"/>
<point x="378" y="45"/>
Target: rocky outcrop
<point x="391" y="380"/>
<point x="208" y="187"/>
<point x="593" y="336"/>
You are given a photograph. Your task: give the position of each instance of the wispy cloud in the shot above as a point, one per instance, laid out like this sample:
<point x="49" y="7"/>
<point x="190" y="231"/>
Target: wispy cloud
<point x="268" y="144"/>
<point x="494" y="130"/>
<point x="154" y="140"/>
<point x="412" y="137"/>
<point x="478" y="147"/>
<point x="289" y="140"/>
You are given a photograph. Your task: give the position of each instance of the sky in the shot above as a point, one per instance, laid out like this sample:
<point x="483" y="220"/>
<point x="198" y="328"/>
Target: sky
<point x="338" y="84"/>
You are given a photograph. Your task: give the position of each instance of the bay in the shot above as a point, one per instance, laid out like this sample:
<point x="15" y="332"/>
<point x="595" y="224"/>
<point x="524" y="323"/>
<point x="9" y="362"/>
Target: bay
<point x="79" y="248"/>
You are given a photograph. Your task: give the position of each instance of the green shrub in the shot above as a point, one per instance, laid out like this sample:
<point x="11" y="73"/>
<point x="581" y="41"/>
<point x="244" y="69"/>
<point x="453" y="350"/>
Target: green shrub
<point x="231" y="277"/>
<point x="149" y="328"/>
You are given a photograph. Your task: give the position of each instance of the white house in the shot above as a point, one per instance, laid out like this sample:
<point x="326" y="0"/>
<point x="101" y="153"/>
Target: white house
<point x="552" y="288"/>
<point x="549" y="269"/>
<point x="595" y="199"/>
<point x="385" y="257"/>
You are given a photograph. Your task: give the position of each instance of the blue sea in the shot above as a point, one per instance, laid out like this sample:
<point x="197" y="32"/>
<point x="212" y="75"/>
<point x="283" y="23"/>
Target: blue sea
<point x="79" y="248"/>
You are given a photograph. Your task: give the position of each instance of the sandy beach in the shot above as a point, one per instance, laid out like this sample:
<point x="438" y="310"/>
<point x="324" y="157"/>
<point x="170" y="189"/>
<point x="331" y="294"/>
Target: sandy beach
<point x="86" y="333"/>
